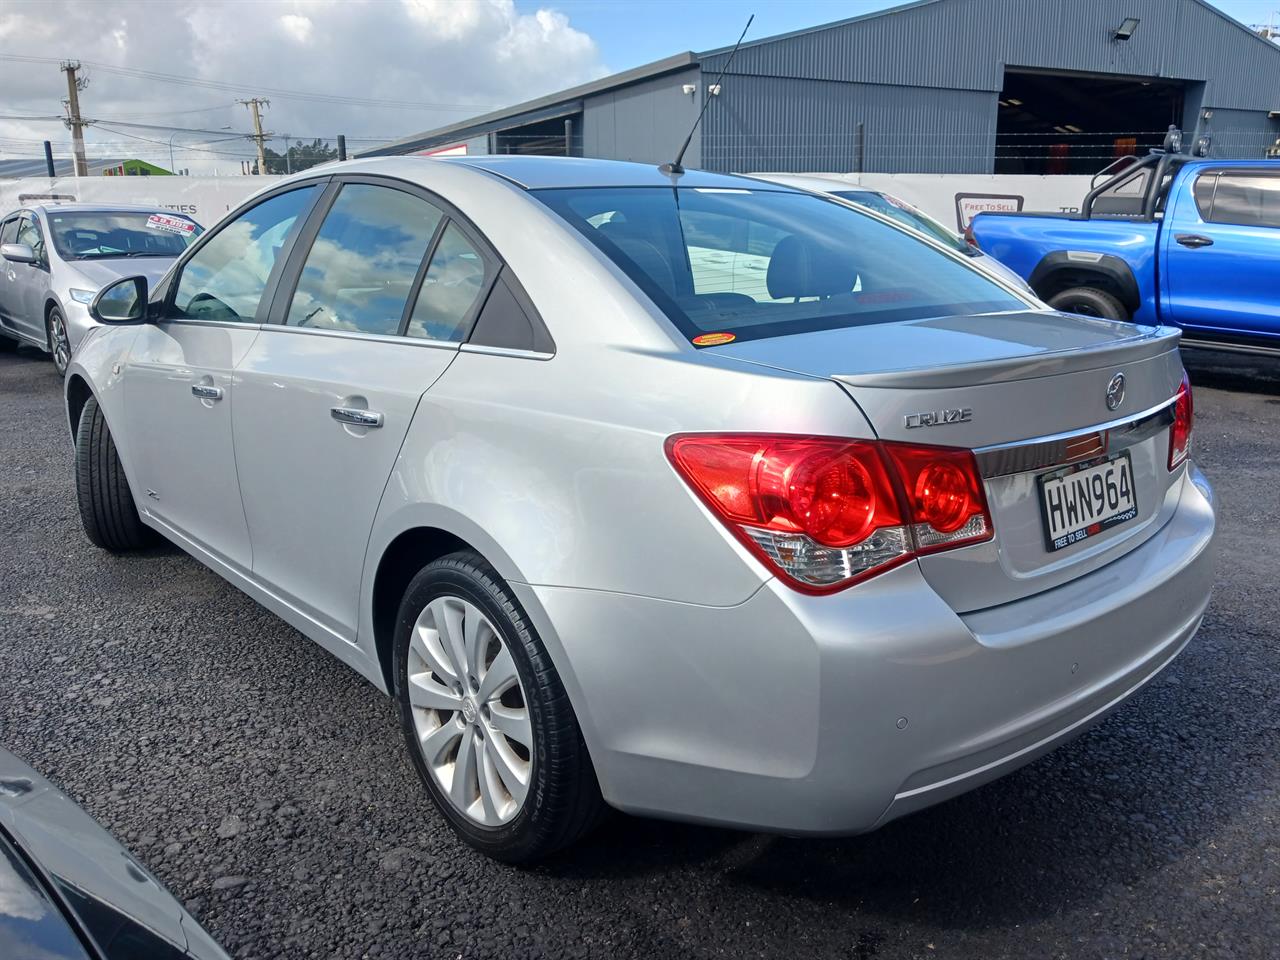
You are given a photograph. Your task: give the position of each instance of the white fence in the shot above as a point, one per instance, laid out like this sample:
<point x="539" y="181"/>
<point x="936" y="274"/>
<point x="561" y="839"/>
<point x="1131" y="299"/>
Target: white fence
<point x="204" y="199"/>
<point x="950" y="198"/>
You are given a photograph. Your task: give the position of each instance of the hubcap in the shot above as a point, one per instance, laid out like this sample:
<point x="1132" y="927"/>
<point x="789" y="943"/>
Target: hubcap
<point x="469" y="711"/>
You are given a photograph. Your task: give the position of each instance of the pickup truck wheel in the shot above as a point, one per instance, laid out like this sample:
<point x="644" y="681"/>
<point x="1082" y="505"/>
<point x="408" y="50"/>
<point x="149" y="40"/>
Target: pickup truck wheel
<point x="107" y="510"/>
<point x="1089" y="302"/>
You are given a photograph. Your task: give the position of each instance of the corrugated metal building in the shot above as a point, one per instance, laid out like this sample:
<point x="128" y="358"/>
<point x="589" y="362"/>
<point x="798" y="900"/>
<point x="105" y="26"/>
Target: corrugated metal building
<point x="936" y="86"/>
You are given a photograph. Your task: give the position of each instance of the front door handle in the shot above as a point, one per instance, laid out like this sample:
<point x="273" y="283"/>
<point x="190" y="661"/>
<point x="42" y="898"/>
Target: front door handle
<point x="1193" y="240"/>
<point x="205" y="392"/>
<point x="356" y="417"/>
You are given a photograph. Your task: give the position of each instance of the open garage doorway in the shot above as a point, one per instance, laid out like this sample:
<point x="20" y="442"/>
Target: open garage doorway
<point x="1055" y="123"/>
<point x="554" y="137"/>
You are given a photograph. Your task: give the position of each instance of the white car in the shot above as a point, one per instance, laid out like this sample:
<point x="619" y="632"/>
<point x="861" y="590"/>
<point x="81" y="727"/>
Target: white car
<point x="904" y="213"/>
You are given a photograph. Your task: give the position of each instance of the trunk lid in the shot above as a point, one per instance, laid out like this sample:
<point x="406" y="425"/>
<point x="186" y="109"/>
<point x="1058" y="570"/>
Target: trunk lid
<point x="1026" y="390"/>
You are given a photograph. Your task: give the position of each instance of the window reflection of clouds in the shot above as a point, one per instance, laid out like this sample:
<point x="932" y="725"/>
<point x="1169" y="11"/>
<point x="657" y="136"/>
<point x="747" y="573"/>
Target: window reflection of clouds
<point x="453" y="281"/>
<point x="229" y="274"/>
<point x="360" y="269"/>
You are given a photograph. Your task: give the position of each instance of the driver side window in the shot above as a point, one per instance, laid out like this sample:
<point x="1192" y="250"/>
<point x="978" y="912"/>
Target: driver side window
<point x="225" y="279"/>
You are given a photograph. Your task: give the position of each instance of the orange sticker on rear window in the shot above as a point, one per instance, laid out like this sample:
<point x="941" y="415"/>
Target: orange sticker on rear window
<point x="713" y="339"/>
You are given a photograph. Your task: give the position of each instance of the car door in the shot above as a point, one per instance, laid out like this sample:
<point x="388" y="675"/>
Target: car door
<point x="1222" y="253"/>
<point x="29" y="282"/>
<point x="178" y="381"/>
<point x="378" y="294"/>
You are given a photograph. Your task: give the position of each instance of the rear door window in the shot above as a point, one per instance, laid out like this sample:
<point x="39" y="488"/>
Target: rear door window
<point x="360" y="270"/>
<point x="1245" y="199"/>
<point x="451" y="290"/>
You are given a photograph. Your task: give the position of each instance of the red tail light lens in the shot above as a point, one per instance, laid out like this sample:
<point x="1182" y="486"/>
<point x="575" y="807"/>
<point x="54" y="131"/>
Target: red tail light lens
<point x="825" y="512"/>
<point x="1180" y="432"/>
<point x="944" y="494"/>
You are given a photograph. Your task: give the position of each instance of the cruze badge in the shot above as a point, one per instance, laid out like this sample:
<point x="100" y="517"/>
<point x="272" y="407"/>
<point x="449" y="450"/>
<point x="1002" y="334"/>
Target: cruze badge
<point x="1115" y="391"/>
<point x="938" y="418"/>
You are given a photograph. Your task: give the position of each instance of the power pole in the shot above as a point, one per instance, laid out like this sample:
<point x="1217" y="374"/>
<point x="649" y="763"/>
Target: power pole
<point x="74" y="120"/>
<point x="254" y="104"/>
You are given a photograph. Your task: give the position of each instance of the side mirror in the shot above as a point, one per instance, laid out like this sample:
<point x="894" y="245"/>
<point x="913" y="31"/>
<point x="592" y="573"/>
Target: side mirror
<point x="18" y="253"/>
<point x="124" y="301"/>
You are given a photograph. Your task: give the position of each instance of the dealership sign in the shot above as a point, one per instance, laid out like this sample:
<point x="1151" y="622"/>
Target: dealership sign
<point x="969" y="205"/>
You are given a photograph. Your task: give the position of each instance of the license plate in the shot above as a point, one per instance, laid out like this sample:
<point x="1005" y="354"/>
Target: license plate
<point x="1080" y="502"/>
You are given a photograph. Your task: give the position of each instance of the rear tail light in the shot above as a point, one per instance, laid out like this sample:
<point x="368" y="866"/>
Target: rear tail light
<point x="1180" y="432"/>
<point x="823" y="512"/>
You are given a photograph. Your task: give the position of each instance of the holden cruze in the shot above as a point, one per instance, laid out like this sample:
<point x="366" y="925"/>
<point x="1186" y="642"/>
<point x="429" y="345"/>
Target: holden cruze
<point x="683" y="494"/>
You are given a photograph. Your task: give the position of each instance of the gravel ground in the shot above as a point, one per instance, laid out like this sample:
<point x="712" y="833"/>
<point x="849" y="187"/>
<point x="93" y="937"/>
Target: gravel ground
<point x="267" y="786"/>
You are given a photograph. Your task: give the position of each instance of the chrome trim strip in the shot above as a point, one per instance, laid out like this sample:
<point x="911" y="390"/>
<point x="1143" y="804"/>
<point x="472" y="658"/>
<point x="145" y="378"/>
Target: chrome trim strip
<point x="505" y="352"/>
<point x="229" y="324"/>
<point x="356" y="335"/>
<point x="1042" y="453"/>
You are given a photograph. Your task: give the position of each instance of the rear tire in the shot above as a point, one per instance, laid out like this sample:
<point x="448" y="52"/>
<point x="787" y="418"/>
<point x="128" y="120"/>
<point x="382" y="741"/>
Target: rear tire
<point x="560" y="800"/>
<point x="7" y="344"/>
<point x="1090" y="302"/>
<point x="107" y="510"/>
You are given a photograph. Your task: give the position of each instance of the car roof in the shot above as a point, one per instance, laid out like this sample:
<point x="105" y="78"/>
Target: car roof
<point x="49" y="208"/>
<point x="812" y="183"/>
<point x="534" y="173"/>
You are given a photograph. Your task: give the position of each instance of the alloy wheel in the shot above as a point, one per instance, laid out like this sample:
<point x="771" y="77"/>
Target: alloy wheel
<point x="470" y="712"/>
<point x="59" y="345"/>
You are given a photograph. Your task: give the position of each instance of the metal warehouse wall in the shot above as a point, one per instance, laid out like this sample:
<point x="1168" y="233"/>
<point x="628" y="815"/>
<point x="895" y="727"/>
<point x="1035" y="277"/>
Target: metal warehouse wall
<point x="774" y="124"/>
<point x="925" y="56"/>
<point x="645" y="122"/>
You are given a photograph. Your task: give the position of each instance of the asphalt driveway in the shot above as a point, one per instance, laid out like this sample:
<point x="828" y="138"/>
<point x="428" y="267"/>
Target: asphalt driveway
<point x="267" y="785"/>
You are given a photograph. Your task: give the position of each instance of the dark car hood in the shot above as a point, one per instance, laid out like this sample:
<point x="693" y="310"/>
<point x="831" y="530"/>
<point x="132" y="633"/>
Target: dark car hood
<point x="74" y="852"/>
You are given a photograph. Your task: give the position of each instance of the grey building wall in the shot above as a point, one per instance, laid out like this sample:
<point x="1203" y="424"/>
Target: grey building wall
<point x="924" y="80"/>
<point x="645" y="122"/>
<point x="778" y="124"/>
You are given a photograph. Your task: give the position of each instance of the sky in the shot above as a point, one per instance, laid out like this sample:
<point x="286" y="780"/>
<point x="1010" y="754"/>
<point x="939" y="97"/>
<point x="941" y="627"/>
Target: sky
<point x="372" y="69"/>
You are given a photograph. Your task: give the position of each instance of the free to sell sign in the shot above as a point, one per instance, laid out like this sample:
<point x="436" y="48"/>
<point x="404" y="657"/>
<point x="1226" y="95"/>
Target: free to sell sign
<point x="969" y="205"/>
<point x="161" y="221"/>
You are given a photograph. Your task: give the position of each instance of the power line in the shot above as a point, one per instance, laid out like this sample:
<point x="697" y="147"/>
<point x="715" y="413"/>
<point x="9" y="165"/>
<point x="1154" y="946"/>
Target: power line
<point x="284" y="94"/>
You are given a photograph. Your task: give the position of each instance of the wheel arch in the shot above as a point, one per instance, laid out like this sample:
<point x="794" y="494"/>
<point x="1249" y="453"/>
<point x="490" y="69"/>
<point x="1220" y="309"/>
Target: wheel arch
<point x="1064" y="269"/>
<point x="78" y="393"/>
<point x="50" y="302"/>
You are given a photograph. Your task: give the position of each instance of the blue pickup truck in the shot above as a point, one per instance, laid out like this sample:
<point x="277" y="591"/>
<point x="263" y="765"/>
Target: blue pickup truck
<point x="1171" y="238"/>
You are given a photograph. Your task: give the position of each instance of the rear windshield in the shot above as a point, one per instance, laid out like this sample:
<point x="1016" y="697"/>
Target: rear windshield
<point x="907" y="215"/>
<point x="104" y="235"/>
<point x="759" y="263"/>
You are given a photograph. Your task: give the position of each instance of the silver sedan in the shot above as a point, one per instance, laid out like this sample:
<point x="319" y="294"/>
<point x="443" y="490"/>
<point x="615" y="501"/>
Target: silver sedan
<point x="57" y="256"/>
<point x="688" y="495"/>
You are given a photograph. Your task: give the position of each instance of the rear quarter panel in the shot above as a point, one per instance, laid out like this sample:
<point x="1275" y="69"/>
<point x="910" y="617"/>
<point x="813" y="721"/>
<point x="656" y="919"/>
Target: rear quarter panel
<point x="1021" y="241"/>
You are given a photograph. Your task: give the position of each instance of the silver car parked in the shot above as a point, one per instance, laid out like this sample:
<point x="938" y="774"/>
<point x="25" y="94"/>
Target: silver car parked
<point x="57" y="257"/>
<point x="688" y="495"/>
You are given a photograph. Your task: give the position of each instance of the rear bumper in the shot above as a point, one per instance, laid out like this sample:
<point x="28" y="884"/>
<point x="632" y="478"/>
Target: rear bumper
<point x="830" y="715"/>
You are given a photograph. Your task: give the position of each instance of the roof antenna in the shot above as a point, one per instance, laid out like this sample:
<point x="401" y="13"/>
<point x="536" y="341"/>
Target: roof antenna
<point x="674" y="168"/>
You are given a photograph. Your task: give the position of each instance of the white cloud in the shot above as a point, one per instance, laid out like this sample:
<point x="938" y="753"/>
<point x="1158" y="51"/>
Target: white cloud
<point x="471" y="54"/>
<point x="297" y="26"/>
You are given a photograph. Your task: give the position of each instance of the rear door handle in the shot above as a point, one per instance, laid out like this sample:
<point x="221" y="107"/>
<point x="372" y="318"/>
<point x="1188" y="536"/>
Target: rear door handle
<point x="1193" y="240"/>
<point x="356" y="417"/>
<point x="205" y="392"/>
